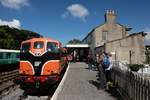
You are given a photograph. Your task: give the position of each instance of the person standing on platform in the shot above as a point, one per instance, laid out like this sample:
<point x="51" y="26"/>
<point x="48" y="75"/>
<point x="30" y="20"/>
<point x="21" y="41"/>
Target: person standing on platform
<point x="105" y="62"/>
<point x="101" y="70"/>
<point x="90" y="61"/>
<point x="96" y="62"/>
<point x="109" y="69"/>
<point x="74" y="55"/>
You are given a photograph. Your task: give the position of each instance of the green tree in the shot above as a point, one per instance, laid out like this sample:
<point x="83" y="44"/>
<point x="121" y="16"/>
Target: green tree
<point x="74" y="41"/>
<point x="11" y="38"/>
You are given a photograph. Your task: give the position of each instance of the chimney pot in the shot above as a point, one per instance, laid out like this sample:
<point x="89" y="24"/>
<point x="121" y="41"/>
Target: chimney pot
<point x="113" y="12"/>
<point x="107" y="11"/>
<point x="110" y="11"/>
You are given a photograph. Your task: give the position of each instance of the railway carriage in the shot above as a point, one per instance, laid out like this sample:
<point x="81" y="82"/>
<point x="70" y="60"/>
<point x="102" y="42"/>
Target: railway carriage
<point x="9" y="56"/>
<point x="41" y="63"/>
<point x="9" y="59"/>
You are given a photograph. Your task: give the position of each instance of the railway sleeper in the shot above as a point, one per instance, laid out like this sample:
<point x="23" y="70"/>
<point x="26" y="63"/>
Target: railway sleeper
<point x="6" y="86"/>
<point x="8" y="75"/>
<point x="7" y="79"/>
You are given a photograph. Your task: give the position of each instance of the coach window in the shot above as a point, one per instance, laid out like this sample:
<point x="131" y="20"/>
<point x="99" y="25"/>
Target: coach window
<point x="52" y="47"/>
<point x="25" y="47"/>
<point x="8" y="55"/>
<point x="1" y="55"/>
<point x="38" y="45"/>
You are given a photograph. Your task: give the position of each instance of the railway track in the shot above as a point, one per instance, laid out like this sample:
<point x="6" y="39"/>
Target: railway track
<point x="11" y="91"/>
<point x="6" y="76"/>
<point x="6" y="80"/>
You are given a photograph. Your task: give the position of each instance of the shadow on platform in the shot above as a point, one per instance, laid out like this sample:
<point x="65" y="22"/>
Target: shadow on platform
<point x="113" y="93"/>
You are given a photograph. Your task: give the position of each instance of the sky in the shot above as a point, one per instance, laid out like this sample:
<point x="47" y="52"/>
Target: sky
<point x="65" y="20"/>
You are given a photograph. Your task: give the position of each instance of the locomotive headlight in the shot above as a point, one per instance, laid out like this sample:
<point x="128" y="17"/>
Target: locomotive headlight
<point x="37" y="63"/>
<point x="37" y="54"/>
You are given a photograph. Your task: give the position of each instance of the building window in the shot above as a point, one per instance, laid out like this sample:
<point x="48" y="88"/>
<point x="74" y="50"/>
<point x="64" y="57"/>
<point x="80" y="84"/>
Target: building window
<point x="104" y="35"/>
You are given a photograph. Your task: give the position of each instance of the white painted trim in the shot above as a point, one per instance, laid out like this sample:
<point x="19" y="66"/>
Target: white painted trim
<point x="78" y="45"/>
<point x="39" y="55"/>
<point x="31" y="52"/>
<point x="59" y="88"/>
<point x="7" y="50"/>
<point x="30" y="65"/>
<point x="46" y="46"/>
<point x="46" y="63"/>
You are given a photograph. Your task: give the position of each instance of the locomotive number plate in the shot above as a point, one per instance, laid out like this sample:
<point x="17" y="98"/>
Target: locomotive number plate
<point x="37" y="63"/>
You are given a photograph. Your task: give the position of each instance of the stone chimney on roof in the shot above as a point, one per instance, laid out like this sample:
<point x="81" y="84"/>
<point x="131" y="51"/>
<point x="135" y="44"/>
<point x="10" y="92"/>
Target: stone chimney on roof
<point x="110" y="17"/>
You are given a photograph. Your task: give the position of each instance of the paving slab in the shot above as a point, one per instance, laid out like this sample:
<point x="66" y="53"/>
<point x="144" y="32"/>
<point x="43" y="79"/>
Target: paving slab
<point x="81" y="84"/>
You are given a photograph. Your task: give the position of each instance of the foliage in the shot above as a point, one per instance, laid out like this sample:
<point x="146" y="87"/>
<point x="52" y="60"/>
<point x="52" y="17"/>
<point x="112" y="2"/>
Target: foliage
<point x="11" y="38"/>
<point x="135" y="67"/>
<point x="74" y="41"/>
<point x="111" y="87"/>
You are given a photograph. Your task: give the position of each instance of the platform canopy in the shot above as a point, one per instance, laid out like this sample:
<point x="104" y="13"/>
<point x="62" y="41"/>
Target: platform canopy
<point x="77" y="46"/>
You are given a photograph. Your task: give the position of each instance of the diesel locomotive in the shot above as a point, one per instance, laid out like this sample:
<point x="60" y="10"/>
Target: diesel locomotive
<point x="42" y="62"/>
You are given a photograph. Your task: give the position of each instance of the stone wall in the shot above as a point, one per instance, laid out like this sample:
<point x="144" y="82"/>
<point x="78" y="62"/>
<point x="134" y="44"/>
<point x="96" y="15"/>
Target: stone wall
<point x="130" y="49"/>
<point x="112" y="32"/>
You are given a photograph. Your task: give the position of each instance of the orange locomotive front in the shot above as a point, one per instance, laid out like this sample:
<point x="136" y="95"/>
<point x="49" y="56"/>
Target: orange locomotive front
<point x="40" y="62"/>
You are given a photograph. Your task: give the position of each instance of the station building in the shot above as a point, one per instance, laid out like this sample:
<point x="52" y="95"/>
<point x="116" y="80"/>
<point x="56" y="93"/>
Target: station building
<point x="114" y="37"/>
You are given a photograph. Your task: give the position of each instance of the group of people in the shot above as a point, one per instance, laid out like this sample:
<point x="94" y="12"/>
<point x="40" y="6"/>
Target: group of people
<point x="104" y="65"/>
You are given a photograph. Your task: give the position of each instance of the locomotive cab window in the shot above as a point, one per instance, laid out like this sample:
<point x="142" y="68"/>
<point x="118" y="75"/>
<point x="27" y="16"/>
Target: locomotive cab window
<point x="25" y="47"/>
<point x="52" y="47"/>
<point x="38" y="45"/>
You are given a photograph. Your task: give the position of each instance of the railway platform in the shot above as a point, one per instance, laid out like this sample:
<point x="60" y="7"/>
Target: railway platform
<point x="80" y="83"/>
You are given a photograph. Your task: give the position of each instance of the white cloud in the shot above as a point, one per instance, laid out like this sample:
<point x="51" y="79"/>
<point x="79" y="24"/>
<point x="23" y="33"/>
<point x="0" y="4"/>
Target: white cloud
<point x="14" y="4"/>
<point x="14" y="23"/>
<point x="147" y="38"/>
<point x="76" y="11"/>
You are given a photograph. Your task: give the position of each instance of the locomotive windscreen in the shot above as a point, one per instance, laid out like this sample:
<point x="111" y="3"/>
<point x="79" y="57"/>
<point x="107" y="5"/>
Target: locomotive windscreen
<point x="38" y="45"/>
<point x="25" y="47"/>
<point x="52" y="47"/>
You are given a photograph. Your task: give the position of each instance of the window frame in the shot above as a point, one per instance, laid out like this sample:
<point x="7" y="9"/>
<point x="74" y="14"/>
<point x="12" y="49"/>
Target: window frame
<point x="29" y="47"/>
<point x="104" y="35"/>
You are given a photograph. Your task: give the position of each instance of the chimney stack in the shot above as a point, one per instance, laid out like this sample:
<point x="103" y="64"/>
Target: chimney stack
<point x="110" y="17"/>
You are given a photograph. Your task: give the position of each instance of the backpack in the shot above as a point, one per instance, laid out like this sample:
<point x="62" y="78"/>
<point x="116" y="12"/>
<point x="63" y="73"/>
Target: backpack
<point x="105" y="62"/>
